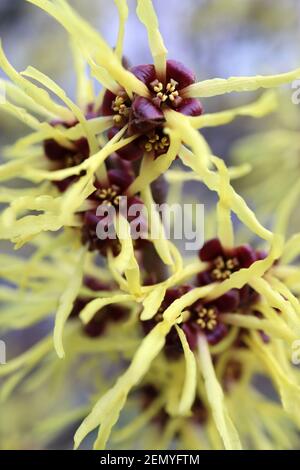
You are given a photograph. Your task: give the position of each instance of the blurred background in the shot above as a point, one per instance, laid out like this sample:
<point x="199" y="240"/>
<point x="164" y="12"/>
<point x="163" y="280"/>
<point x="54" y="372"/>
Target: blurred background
<point x="216" y="38"/>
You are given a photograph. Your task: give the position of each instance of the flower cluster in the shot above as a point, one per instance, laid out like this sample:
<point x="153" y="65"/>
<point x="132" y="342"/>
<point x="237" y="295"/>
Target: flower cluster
<point x="193" y="332"/>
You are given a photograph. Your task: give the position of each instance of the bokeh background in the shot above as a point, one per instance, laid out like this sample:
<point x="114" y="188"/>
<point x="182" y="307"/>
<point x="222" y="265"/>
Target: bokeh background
<point x="216" y="38"/>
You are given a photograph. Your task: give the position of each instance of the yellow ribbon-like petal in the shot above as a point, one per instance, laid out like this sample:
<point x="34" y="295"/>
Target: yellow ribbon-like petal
<point x="220" y="86"/>
<point x="216" y="399"/>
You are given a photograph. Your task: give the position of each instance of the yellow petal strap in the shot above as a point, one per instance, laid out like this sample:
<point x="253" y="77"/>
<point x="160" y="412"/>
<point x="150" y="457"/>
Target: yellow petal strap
<point x="25" y="145"/>
<point x="31" y="72"/>
<point x="152" y="168"/>
<point x="189" y="388"/>
<point x="147" y="16"/>
<point x="286" y="208"/>
<point x="29" y="358"/>
<point x="62" y="135"/>
<point x="123" y="15"/>
<point x="117" y="276"/>
<point x="220" y="86"/>
<point x="152" y="302"/>
<point x="27" y="203"/>
<point x="92" y="44"/>
<point x="21" y="114"/>
<point x="107" y="410"/>
<point x="289" y="390"/>
<point x="157" y="232"/>
<point x="226" y="343"/>
<point x="178" y="176"/>
<point x="11" y="383"/>
<point x="11" y="194"/>
<point x="91" y="164"/>
<point x="85" y="92"/>
<point x="216" y="399"/>
<point x="39" y="95"/>
<point x="96" y="305"/>
<point x="291" y="249"/>
<point x="9" y="152"/>
<point x="26" y="228"/>
<point x="266" y="104"/>
<point x="284" y="291"/>
<point x="182" y="125"/>
<point x="66" y="303"/>
<point x="276" y="300"/>
<point x="54" y="424"/>
<point x="140" y="422"/>
<point x="199" y="160"/>
<point x="95" y="46"/>
<point x="103" y="77"/>
<point x="126" y="260"/>
<point x="274" y="329"/>
<point x="14" y="168"/>
<point x="225" y="227"/>
<point x="167" y="437"/>
<point x="74" y="197"/>
<point x="16" y="95"/>
<point x="179" y="276"/>
<point x="236" y="172"/>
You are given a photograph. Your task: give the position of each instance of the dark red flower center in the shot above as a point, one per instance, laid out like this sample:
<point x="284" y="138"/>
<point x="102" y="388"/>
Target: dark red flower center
<point x="168" y="94"/>
<point x="121" y="108"/>
<point x="110" y="196"/>
<point x="144" y="115"/>
<point x="74" y="154"/>
<point x="199" y="318"/>
<point x="103" y="318"/>
<point x="223" y="268"/>
<point x="157" y="142"/>
<point x="207" y="318"/>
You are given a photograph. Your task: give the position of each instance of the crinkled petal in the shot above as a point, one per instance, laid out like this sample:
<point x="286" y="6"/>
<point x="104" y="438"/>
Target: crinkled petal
<point x="216" y="399"/>
<point x="220" y="86"/>
<point x="147" y="16"/>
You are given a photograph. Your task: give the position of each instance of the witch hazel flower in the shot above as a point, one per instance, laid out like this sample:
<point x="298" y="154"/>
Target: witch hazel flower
<point x="108" y="195"/>
<point x="205" y="317"/>
<point x="153" y="105"/>
<point x="210" y="324"/>
<point x="239" y="313"/>
<point x="231" y="307"/>
<point x="145" y="115"/>
<point x="156" y="410"/>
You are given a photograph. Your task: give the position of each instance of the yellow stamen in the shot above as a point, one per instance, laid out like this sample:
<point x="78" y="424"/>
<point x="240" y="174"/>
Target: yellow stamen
<point x="169" y="92"/>
<point x="155" y="142"/>
<point x="223" y="269"/>
<point x="207" y="318"/>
